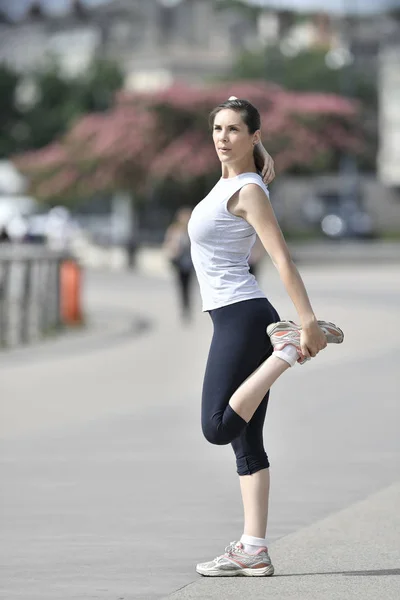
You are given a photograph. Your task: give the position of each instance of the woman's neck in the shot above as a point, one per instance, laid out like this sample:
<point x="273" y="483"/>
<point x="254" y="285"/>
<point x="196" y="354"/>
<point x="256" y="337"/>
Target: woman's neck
<point x="233" y="170"/>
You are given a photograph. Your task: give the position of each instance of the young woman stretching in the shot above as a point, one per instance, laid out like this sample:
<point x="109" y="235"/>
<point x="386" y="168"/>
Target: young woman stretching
<point x="244" y="362"/>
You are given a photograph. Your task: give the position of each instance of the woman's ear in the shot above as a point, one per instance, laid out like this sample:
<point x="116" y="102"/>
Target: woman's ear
<point x="257" y="137"/>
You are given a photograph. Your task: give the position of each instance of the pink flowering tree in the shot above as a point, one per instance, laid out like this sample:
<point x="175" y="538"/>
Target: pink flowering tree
<point x="146" y="139"/>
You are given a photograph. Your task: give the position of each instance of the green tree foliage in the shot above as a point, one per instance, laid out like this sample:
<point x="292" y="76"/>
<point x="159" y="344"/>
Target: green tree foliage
<point x="306" y="71"/>
<point x="58" y="102"/>
<point x="10" y="116"/>
<point x="250" y="10"/>
<point x="99" y="84"/>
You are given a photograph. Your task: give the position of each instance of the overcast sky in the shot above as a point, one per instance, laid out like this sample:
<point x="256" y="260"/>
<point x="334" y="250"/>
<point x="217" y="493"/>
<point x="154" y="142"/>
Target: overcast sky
<point x="17" y="7"/>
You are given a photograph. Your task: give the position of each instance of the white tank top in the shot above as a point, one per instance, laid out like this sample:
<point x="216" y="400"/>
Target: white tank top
<point x="221" y="245"/>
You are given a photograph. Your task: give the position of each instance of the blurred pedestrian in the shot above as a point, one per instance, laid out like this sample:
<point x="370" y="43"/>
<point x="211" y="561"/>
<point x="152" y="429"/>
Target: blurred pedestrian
<point x="243" y="361"/>
<point x="257" y="253"/>
<point x="131" y="250"/>
<point x="177" y="249"/>
<point x="4" y="237"/>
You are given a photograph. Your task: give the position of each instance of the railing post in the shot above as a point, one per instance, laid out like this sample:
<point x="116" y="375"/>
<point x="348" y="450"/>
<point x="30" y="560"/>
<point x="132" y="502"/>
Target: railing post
<point x="44" y="282"/>
<point x="4" y="305"/>
<point x="26" y="303"/>
<point x="40" y="291"/>
<point x="57" y="299"/>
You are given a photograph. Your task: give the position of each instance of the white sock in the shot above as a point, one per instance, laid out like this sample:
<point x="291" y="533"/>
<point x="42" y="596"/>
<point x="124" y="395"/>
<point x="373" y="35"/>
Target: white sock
<point x="289" y="354"/>
<point x="252" y="544"/>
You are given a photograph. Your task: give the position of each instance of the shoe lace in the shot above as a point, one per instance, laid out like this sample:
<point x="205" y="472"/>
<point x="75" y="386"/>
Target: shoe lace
<point x="228" y="550"/>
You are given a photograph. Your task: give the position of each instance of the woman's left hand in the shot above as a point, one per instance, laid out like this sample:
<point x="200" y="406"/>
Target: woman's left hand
<point x="312" y="340"/>
<point x="268" y="172"/>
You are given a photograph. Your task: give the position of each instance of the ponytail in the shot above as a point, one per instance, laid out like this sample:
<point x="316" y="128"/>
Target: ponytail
<point x="258" y="160"/>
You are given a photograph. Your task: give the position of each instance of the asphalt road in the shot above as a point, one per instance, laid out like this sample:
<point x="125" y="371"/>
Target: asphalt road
<point x="108" y="489"/>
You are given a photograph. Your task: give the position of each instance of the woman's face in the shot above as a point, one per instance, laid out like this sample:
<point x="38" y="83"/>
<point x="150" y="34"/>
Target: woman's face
<point x="231" y="136"/>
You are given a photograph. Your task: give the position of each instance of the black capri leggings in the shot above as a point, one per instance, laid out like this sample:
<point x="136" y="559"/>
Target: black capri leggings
<point x="239" y="345"/>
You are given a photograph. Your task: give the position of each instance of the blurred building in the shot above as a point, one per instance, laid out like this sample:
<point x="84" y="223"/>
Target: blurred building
<point x="155" y="41"/>
<point x="389" y="114"/>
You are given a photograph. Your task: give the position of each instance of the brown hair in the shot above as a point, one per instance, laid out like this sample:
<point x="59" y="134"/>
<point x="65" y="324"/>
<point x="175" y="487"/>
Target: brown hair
<point x="250" y="116"/>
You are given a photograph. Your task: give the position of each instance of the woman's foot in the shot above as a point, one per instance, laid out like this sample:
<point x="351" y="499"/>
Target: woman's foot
<point x="236" y="561"/>
<point x="286" y="333"/>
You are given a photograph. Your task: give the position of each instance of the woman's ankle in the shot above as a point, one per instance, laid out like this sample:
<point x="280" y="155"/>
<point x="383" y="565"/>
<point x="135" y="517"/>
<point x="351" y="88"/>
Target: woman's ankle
<point x="289" y="354"/>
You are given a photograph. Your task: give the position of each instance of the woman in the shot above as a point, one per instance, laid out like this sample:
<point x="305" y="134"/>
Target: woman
<point x="243" y="362"/>
<point x="177" y="249"/>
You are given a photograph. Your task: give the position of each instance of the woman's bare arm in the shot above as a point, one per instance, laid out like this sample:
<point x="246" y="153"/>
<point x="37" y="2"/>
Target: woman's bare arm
<point x="254" y="206"/>
<point x="268" y="170"/>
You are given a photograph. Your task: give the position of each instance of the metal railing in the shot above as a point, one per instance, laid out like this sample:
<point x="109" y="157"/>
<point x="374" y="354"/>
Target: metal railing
<point x="29" y="293"/>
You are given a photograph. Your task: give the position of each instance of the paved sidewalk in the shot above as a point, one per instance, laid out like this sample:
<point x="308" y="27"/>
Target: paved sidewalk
<point x="109" y="490"/>
<point x="353" y="554"/>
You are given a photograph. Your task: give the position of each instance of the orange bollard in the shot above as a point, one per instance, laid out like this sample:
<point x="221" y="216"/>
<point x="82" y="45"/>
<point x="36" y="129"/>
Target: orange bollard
<point x="70" y="293"/>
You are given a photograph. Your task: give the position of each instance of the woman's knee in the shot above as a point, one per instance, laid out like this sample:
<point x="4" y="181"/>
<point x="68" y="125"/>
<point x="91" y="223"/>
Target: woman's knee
<point x="215" y="434"/>
<point x="223" y="428"/>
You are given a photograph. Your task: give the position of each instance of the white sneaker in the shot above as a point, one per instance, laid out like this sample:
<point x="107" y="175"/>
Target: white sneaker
<point x="284" y="333"/>
<point x="333" y="333"/>
<point x="236" y="561"/>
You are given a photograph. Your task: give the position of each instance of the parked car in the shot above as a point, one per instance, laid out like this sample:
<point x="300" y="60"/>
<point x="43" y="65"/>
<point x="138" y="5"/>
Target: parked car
<point x="339" y="215"/>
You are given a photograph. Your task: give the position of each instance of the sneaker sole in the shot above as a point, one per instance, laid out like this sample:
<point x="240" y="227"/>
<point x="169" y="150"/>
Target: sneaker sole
<point x="264" y="572"/>
<point x="333" y="333"/>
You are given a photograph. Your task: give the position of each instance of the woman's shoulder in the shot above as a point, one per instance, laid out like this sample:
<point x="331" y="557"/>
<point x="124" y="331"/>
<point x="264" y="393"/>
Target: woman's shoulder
<point x="254" y="184"/>
<point x="253" y="189"/>
<point x="248" y="197"/>
<point x="255" y="180"/>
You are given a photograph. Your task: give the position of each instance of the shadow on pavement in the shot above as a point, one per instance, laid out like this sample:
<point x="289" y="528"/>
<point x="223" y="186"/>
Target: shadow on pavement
<point x="374" y="573"/>
<point x="84" y="341"/>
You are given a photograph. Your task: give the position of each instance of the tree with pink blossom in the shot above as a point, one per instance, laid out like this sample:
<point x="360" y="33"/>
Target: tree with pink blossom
<point x="146" y="139"/>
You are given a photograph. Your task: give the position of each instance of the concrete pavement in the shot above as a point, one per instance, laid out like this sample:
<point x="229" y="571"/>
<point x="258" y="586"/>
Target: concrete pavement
<point x="109" y="490"/>
<point x="353" y="554"/>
